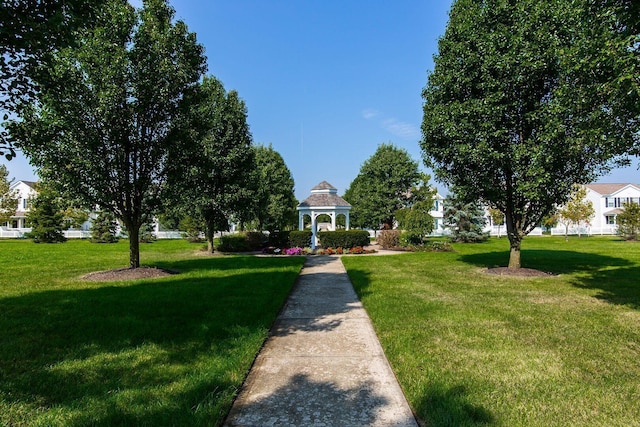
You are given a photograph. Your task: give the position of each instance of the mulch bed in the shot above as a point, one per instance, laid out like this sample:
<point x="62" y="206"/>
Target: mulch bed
<point x="128" y="274"/>
<point x="520" y="272"/>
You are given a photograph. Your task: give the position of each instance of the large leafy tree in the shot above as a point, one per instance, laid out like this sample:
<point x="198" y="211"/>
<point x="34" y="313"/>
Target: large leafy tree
<point x="8" y="198"/>
<point x="275" y="201"/>
<point x="220" y="183"/>
<point x="382" y="187"/>
<point x="500" y="119"/>
<point x="32" y="30"/>
<point x="109" y="119"/>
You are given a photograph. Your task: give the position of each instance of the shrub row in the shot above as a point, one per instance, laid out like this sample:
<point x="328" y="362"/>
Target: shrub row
<point x="242" y="242"/>
<point x="300" y="239"/>
<point x="344" y="239"/>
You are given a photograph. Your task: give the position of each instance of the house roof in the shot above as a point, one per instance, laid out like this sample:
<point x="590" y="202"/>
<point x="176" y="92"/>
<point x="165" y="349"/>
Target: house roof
<point x="31" y="184"/>
<point x="606" y="189"/>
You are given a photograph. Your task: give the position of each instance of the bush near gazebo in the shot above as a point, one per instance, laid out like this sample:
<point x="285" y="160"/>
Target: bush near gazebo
<point x="300" y="238"/>
<point x="344" y="238"/>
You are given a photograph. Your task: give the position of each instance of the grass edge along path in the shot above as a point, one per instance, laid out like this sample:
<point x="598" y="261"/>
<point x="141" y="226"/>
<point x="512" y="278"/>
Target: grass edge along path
<point x="473" y="349"/>
<point x="166" y="351"/>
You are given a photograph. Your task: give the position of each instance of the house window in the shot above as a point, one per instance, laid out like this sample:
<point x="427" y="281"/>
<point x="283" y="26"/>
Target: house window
<point x="14" y="223"/>
<point x="610" y="219"/>
<point x="609" y="202"/>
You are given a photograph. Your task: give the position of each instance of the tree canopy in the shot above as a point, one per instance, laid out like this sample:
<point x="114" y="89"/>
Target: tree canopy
<point x="511" y="116"/>
<point x="382" y="187"/>
<point x="31" y="32"/>
<point x="275" y="201"/>
<point x="110" y="118"/>
<point x="218" y="183"/>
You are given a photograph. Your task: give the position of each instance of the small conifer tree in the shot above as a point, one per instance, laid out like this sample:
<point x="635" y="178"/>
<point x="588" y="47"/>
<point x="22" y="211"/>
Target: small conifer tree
<point x="104" y="228"/>
<point x="46" y="217"/>
<point x="465" y="220"/>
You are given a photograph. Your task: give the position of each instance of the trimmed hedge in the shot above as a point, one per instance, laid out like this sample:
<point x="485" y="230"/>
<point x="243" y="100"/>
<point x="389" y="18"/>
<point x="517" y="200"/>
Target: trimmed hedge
<point x="279" y="239"/>
<point x="241" y="242"/>
<point x="344" y="239"/>
<point x="300" y="239"/>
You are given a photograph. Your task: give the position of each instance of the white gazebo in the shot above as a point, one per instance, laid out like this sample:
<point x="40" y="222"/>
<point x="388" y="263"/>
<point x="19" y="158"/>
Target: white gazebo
<point x="324" y="200"/>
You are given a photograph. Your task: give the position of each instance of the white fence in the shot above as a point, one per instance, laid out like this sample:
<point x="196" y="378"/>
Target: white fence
<point x="19" y="233"/>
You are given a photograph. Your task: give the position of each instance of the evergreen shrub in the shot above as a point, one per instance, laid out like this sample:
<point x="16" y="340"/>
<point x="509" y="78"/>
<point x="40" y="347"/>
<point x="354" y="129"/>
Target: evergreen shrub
<point x="343" y="238"/>
<point x="300" y="238"/>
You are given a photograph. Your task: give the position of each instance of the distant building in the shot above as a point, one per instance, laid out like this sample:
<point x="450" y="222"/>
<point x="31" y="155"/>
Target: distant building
<point x="608" y="201"/>
<point x="26" y="191"/>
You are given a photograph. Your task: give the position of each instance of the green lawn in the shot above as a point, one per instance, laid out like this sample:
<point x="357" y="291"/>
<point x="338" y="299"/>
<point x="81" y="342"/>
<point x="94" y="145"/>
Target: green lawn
<point x="474" y="349"/>
<point x="167" y="351"/>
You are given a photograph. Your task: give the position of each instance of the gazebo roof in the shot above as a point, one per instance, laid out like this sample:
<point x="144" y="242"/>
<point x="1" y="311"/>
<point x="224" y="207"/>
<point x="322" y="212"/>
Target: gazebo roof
<point x="324" y="195"/>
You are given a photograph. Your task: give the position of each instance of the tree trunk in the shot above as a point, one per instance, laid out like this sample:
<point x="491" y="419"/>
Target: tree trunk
<point x="514" y="255"/>
<point x="209" y="231"/>
<point x="134" y="246"/>
<point x="514" y="233"/>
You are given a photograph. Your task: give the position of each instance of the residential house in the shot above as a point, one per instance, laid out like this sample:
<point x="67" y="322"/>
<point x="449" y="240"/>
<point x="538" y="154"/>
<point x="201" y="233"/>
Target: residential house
<point x="16" y="226"/>
<point x="608" y="201"/>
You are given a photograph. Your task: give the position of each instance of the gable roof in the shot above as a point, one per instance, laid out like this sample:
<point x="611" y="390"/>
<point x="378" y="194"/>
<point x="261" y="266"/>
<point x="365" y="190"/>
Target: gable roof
<point x="606" y="189"/>
<point x="30" y="184"/>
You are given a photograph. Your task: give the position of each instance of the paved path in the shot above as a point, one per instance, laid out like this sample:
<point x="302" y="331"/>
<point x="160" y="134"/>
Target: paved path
<point x="323" y="364"/>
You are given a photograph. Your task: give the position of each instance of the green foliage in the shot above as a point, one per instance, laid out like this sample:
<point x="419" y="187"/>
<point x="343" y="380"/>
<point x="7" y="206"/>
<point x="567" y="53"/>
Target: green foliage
<point x="465" y="220"/>
<point x="31" y="32"/>
<point x="280" y="239"/>
<point x="629" y="221"/>
<point x="193" y="229"/>
<point x="216" y="182"/>
<point x="389" y="239"/>
<point x="512" y="116"/>
<point x="104" y="228"/>
<point x="343" y="238"/>
<point x="274" y="203"/>
<point x="111" y="117"/>
<point x="8" y="198"/>
<point x="382" y="187"/>
<point x="241" y="242"/>
<point x="46" y="217"/>
<point x="577" y="210"/>
<point x="300" y="238"/>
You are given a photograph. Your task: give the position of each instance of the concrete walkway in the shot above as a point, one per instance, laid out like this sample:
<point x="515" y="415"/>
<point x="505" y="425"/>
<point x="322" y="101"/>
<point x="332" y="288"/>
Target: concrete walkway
<point x="323" y="364"/>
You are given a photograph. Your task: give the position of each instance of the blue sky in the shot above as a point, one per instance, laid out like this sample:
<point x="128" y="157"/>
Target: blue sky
<point x="324" y="81"/>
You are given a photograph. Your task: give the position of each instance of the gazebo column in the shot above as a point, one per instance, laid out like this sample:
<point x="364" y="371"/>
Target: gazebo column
<point x="346" y="220"/>
<point x="300" y="220"/>
<point x="314" y="230"/>
<point x="333" y="221"/>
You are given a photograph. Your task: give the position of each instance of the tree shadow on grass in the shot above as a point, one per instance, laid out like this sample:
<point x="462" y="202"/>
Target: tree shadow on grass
<point x="450" y="406"/>
<point x="616" y="278"/>
<point x="153" y="352"/>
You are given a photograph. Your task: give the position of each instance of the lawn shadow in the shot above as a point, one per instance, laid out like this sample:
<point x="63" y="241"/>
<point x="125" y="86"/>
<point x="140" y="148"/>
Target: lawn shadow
<point x="450" y="407"/>
<point x="66" y="348"/>
<point x="616" y="278"/>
